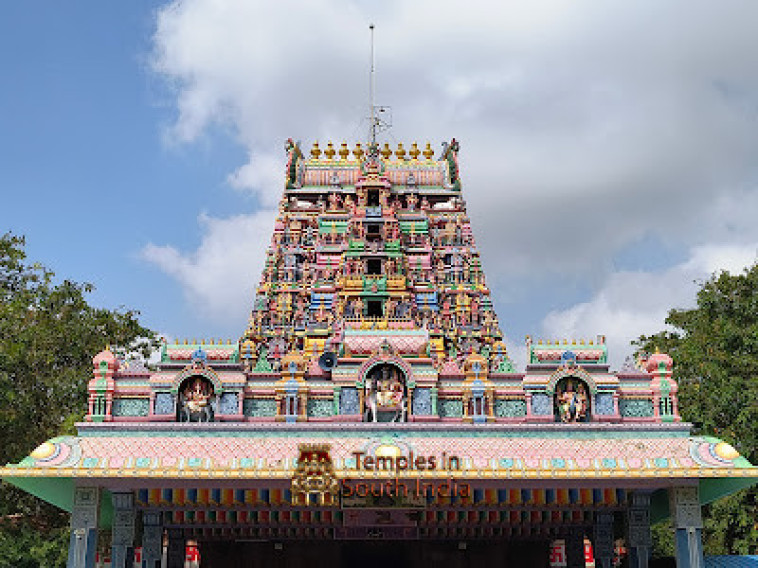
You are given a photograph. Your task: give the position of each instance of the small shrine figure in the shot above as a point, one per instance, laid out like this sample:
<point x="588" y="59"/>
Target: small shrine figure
<point x="412" y="200"/>
<point x="389" y="307"/>
<point x="334" y="201"/>
<point x="358" y="306"/>
<point x="572" y="402"/>
<point x="195" y="401"/>
<point x="425" y="204"/>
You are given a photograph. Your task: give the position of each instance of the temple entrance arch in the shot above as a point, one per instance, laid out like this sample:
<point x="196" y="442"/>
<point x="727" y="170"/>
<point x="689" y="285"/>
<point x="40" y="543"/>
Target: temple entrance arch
<point x="195" y="400"/>
<point x="572" y="400"/>
<point x="386" y="394"/>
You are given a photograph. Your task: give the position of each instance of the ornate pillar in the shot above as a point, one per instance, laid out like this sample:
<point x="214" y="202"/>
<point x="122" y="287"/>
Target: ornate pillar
<point x="638" y="526"/>
<point x="603" y="540"/>
<point x="684" y="504"/>
<point x="84" y="517"/>
<point x="575" y="548"/>
<point x="152" y="539"/>
<point x="176" y="549"/>
<point x="122" y="542"/>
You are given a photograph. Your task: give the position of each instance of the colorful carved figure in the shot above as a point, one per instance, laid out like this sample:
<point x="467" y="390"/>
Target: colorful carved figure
<point x="571" y="400"/>
<point x="195" y="401"/>
<point x="385" y="395"/>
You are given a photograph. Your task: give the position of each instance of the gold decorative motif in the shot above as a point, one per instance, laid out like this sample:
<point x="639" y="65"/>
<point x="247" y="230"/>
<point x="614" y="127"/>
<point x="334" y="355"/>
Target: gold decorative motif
<point x="329" y="152"/>
<point x="414" y="151"/>
<point x="344" y="151"/>
<point x="358" y="151"/>
<point x="315" y="151"/>
<point x="314" y="481"/>
<point x="400" y="152"/>
<point x="428" y="152"/>
<point x="386" y="152"/>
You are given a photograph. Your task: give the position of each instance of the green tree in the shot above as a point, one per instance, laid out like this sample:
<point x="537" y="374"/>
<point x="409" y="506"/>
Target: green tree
<point x="48" y="336"/>
<point x="715" y="352"/>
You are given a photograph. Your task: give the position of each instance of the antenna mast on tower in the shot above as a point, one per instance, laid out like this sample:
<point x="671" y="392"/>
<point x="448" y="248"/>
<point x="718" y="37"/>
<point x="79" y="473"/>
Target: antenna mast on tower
<point x="377" y="124"/>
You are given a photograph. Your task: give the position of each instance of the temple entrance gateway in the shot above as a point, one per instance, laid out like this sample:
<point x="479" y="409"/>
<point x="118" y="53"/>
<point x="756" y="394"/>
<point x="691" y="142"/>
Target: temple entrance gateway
<point x="370" y="414"/>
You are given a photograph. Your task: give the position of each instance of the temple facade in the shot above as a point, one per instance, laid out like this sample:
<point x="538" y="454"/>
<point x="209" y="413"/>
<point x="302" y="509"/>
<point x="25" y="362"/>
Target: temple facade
<point x="370" y="413"/>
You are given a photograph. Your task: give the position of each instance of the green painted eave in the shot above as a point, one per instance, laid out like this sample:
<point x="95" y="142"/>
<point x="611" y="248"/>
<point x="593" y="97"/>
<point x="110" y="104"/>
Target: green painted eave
<point x="59" y="491"/>
<point x="711" y="489"/>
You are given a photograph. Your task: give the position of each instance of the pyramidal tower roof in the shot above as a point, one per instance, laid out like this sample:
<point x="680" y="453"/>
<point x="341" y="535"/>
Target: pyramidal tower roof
<point x="373" y="246"/>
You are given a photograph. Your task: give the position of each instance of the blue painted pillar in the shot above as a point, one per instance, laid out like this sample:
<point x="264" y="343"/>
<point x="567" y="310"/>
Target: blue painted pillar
<point x="639" y="540"/>
<point x="684" y="504"/>
<point x="152" y="539"/>
<point x="603" y="540"/>
<point x="122" y="540"/>
<point x="84" y="518"/>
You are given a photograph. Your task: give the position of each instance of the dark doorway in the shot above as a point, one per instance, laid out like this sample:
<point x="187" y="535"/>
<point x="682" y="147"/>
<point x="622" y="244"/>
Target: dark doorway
<point x="373" y="231"/>
<point x="449" y="553"/>
<point x="374" y="266"/>
<point x="373" y="197"/>
<point x="375" y="554"/>
<point x="374" y="309"/>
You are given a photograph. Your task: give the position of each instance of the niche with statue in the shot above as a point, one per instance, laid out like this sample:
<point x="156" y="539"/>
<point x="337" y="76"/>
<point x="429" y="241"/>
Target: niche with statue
<point x="195" y="401"/>
<point x="385" y="394"/>
<point x="572" y="400"/>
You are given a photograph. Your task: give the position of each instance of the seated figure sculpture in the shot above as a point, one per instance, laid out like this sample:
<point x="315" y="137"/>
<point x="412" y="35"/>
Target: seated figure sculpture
<point x="195" y="401"/>
<point x="385" y="394"/>
<point x="571" y="401"/>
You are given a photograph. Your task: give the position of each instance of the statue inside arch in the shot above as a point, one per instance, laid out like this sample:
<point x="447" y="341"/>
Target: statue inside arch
<point x="571" y="400"/>
<point x="195" y="400"/>
<point x="385" y="395"/>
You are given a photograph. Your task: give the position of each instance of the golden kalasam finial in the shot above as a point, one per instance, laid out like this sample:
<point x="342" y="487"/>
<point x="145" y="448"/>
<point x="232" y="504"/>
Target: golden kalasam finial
<point x="414" y="151"/>
<point x="344" y="152"/>
<point x="400" y="152"/>
<point x="329" y="152"/>
<point x="358" y="151"/>
<point x="428" y="152"/>
<point x="386" y="152"/>
<point x="315" y="151"/>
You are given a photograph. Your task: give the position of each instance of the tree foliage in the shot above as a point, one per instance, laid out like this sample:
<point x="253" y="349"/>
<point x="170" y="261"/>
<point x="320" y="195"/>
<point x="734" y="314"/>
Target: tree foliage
<point x="48" y="336"/>
<point x="715" y="350"/>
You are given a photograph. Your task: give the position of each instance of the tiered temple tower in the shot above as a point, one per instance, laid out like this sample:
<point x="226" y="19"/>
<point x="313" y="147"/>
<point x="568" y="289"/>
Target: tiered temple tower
<point x="374" y="253"/>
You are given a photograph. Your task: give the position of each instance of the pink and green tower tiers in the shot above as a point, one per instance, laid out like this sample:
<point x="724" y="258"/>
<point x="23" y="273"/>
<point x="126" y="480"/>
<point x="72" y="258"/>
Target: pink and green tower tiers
<point x="370" y="246"/>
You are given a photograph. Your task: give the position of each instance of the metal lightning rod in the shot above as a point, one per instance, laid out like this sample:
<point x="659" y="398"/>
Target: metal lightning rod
<point x="372" y="109"/>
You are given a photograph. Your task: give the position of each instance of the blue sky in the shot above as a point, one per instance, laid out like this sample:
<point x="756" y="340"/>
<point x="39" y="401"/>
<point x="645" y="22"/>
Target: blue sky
<point x="608" y="153"/>
<point x="87" y="173"/>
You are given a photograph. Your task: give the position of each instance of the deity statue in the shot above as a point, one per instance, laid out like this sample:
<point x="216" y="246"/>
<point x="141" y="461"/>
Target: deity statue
<point x="195" y="401"/>
<point x="572" y="401"/>
<point x="385" y="392"/>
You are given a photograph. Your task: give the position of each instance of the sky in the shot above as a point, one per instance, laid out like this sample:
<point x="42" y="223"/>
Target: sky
<point x="609" y="151"/>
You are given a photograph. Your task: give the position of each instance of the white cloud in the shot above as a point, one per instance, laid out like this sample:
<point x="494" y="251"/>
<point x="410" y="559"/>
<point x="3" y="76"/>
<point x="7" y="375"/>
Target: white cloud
<point x="219" y="278"/>
<point x="584" y="127"/>
<point x="630" y="304"/>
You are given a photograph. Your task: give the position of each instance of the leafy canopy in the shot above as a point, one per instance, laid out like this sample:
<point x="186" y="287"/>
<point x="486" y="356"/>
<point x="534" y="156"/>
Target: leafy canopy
<point x="48" y="336"/>
<point x="715" y="350"/>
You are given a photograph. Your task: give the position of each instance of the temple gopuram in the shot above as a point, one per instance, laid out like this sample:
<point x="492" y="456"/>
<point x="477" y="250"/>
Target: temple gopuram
<point x="370" y="414"/>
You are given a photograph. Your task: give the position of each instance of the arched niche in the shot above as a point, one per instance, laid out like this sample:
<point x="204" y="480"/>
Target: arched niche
<point x="572" y="400"/>
<point x="385" y="393"/>
<point x="196" y="396"/>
